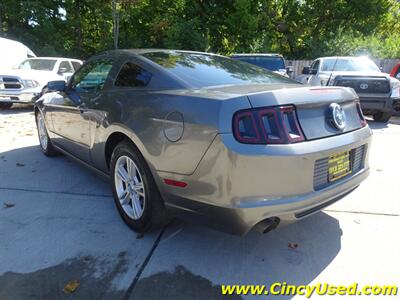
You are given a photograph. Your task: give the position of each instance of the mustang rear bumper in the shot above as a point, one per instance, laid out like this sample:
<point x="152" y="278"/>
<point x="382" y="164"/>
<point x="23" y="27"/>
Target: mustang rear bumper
<point x="236" y="186"/>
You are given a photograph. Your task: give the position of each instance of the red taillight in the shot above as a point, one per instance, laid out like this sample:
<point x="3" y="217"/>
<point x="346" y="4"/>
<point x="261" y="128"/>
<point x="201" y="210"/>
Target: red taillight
<point x="291" y="125"/>
<point x="245" y="128"/>
<point x="267" y="125"/>
<point x="363" y="121"/>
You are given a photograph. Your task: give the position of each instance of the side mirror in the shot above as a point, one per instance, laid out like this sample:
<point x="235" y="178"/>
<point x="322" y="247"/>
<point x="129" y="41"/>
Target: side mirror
<point x="62" y="71"/>
<point x="306" y="70"/>
<point x="56" y="86"/>
<point x="289" y="69"/>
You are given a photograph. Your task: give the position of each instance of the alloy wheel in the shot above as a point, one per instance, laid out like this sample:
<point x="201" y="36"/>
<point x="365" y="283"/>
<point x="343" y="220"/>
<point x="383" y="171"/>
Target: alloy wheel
<point x="129" y="186"/>
<point x="43" y="138"/>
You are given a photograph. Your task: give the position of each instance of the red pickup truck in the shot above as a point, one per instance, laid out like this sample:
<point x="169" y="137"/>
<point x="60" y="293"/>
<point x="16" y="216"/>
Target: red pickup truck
<point x="396" y="72"/>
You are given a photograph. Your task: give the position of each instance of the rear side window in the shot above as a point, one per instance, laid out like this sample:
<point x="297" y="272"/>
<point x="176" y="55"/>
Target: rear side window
<point x="132" y="75"/>
<point x="65" y="67"/>
<point x="76" y="65"/>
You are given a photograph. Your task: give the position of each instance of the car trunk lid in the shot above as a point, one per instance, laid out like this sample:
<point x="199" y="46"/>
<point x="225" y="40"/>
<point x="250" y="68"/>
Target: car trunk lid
<point x="312" y="105"/>
<point x="313" y="108"/>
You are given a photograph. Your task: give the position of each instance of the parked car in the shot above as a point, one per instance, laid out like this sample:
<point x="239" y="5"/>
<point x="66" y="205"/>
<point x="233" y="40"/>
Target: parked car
<point x="206" y="137"/>
<point x="396" y="71"/>
<point x="269" y="61"/>
<point x="25" y="82"/>
<point x="379" y="93"/>
<point x="13" y="52"/>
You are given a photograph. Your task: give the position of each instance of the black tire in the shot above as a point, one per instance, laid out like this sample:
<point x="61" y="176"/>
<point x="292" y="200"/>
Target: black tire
<point x="47" y="149"/>
<point x="382" y="117"/>
<point x="5" y="105"/>
<point x="154" y="213"/>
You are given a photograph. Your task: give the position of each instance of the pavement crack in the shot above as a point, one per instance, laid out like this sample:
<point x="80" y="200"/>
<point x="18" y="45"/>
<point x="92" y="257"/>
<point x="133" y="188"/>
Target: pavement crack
<point x="55" y="192"/>
<point x="362" y="213"/>
<point x="144" y="264"/>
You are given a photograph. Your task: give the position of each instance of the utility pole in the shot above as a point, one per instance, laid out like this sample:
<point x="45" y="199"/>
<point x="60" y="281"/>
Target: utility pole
<point x="1" y="20"/>
<point x="115" y="16"/>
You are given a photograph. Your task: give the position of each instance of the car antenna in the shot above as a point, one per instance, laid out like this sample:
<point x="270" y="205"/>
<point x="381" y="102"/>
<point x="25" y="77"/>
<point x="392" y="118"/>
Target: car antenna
<point x="334" y="65"/>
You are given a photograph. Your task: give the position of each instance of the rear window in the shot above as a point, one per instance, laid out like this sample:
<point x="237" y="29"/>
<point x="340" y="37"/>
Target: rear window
<point x="352" y="64"/>
<point x="201" y="70"/>
<point x="38" y="64"/>
<point x="267" y="62"/>
<point x="132" y="75"/>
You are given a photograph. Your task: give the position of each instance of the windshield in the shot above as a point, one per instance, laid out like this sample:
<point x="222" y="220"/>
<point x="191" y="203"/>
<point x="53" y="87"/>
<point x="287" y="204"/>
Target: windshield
<point x="38" y="64"/>
<point x="349" y="64"/>
<point x="201" y="70"/>
<point x="272" y="63"/>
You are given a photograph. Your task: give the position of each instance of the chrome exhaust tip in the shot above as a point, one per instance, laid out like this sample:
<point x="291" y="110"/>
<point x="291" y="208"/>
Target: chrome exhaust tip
<point x="267" y="225"/>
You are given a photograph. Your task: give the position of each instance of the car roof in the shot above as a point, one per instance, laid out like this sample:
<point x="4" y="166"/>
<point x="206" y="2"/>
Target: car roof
<point x="339" y="57"/>
<point x="258" y="54"/>
<point x="55" y="58"/>
<point x="151" y="50"/>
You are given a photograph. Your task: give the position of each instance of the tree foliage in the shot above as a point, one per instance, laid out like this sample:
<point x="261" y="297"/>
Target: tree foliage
<point x="298" y="29"/>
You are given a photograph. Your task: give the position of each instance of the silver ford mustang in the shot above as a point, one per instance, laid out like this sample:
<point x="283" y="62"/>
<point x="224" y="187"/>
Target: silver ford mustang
<point x="205" y="137"/>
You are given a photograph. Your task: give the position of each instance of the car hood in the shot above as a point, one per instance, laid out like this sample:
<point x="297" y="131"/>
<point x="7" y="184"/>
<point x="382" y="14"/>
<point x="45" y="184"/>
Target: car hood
<point x="42" y="76"/>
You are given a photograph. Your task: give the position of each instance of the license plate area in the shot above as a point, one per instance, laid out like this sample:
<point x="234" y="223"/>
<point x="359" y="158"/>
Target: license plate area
<point x="339" y="166"/>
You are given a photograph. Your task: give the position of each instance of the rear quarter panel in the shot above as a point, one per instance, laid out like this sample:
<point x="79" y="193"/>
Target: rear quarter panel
<point x="172" y="129"/>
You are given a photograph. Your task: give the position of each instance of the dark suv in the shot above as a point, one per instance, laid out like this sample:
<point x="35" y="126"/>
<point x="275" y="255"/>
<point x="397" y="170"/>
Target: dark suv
<point x="269" y="61"/>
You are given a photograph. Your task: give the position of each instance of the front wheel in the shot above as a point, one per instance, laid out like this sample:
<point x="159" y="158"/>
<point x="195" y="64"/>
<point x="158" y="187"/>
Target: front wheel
<point x="5" y="105"/>
<point x="135" y="193"/>
<point x="44" y="140"/>
<point x="382" y="117"/>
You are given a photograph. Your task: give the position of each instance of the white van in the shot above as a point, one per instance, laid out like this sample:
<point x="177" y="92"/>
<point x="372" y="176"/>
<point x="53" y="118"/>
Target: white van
<point x="12" y="53"/>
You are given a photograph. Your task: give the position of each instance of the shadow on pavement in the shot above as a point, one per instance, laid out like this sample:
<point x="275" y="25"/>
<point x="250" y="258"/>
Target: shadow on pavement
<point x="395" y="120"/>
<point x="376" y="125"/>
<point x="189" y="262"/>
<point x="48" y="283"/>
<point x="205" y="255"/>
<point x="28" y="168"/>
<point x="16" y="109"/>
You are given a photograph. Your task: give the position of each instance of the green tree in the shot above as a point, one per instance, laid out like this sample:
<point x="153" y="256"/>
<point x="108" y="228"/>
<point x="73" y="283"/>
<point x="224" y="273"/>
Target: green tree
<point x="299" y="29"/>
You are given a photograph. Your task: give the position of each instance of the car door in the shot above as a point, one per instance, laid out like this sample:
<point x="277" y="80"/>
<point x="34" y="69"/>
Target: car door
<point x="71" y="115"/>
<point x="305" y="78"/>
<point x="313" y="79"/>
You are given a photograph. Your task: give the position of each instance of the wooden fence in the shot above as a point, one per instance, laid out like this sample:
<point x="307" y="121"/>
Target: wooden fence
<point x="297" y="65"/>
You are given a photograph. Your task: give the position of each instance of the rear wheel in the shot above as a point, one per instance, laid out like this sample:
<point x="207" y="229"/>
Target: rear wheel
<point x="382" y="117"/>
<point x="135" y="193"/>
<point x="5" y="105"/>
<point x="44" y="140"/>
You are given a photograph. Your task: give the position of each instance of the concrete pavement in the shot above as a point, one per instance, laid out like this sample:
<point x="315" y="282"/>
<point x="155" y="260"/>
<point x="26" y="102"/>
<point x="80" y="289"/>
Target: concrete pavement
<point x="58" y="223"/>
